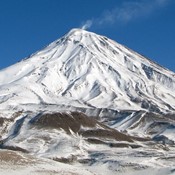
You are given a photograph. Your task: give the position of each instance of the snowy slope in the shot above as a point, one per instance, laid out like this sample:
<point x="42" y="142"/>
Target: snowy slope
<point x="90" y="103"/>
<point x="86" y="70"/>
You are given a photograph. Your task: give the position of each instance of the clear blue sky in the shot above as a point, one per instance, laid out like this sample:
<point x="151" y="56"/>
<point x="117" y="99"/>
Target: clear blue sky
<point x="146" y="26"/>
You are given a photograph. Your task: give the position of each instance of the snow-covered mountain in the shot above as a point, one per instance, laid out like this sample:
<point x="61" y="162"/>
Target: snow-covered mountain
<point x="84" y="96"/>
<point x="85" y="70"/>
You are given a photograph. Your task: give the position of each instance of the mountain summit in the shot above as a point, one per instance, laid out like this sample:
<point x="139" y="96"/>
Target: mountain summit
<point x="86" y="70"/>
<point x="90" y="103"/>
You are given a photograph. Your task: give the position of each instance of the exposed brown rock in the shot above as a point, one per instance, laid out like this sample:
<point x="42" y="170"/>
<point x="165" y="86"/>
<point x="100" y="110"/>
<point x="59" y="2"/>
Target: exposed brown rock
<point x="75" y="120"/>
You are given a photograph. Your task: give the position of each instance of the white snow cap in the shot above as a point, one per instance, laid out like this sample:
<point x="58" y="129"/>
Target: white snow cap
<point x="86" y="70"/>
